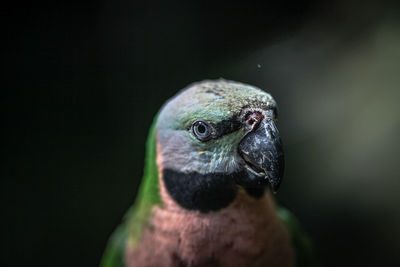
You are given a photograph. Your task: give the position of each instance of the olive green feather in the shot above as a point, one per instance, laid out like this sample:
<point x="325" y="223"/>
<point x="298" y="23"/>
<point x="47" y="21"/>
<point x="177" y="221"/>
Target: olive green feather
<point x="138" y="215"/>
<point x="304" y="249"/>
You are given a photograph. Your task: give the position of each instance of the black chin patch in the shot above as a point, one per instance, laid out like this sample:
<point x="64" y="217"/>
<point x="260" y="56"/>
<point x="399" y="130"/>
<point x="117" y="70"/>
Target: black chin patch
<point x="204" y="192"/>
<point x="256" y="192"/>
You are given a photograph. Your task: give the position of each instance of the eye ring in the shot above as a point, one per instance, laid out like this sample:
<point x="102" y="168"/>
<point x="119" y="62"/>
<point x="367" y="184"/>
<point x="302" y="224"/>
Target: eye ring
<point x="202" y="130"/>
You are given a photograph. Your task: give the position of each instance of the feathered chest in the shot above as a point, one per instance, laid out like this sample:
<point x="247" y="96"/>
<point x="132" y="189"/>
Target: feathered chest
<point x="247" y="233"/>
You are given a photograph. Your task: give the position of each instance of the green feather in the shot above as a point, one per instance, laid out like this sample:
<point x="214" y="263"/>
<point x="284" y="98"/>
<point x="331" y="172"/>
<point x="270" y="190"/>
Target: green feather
<point x="305" y="254"/>
<point x="138" y="215"/>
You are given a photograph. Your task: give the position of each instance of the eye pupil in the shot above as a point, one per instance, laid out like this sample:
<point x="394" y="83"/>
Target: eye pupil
<point x="201" y="128"/>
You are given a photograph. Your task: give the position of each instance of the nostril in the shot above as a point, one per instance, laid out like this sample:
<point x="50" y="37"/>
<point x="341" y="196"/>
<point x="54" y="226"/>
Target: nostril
<point x="253" y="119"/>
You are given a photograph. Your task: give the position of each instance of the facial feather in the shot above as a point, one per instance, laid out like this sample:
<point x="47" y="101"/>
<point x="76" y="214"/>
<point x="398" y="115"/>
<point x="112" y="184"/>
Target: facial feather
<point x="216" y="102"/>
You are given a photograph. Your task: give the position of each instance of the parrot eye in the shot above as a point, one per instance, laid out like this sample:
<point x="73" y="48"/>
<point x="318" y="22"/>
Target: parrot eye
<point x="202" y="130"/>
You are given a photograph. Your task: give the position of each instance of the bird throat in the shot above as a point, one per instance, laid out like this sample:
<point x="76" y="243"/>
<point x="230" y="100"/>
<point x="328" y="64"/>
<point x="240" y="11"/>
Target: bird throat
<point x="205" y="192"/>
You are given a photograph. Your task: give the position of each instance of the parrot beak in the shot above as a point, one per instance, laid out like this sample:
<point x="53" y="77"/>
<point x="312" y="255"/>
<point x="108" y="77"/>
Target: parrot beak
<point x="261" y="150"/>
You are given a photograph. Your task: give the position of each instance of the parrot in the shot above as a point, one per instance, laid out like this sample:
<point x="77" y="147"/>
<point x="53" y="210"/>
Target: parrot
<point x="213" y="162"/>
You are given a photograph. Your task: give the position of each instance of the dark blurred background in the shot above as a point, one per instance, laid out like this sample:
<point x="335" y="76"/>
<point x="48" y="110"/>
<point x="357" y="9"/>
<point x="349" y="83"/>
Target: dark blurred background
<point x="83" y="82"/>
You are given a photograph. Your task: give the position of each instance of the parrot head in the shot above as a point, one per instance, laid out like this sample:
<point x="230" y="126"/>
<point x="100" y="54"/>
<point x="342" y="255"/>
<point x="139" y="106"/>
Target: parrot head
<point x="215" y="138"/>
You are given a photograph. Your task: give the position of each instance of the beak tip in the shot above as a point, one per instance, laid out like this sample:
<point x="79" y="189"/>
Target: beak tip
<point x="274" y="186"/>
